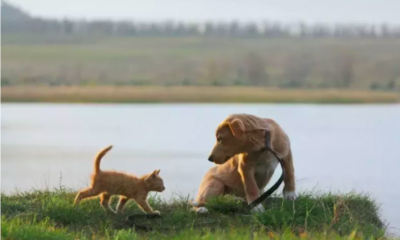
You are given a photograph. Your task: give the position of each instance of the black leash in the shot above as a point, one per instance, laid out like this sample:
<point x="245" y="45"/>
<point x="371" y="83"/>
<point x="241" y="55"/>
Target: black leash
<point x="269" y="192"/>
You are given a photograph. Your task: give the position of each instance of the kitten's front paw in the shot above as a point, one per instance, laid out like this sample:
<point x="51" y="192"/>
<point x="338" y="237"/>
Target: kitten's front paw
<point x="76" y="202"/>
<point x="289" y="195"/>
<point x="258" y="209"/>
<point x="156" y="212"/>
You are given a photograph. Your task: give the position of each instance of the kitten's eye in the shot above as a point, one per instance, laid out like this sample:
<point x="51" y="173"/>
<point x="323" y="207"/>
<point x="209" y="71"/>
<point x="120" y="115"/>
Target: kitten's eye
<point x="219" y="139"/>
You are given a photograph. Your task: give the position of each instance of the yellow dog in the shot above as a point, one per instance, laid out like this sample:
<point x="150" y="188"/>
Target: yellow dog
<point x="242" y="168"/>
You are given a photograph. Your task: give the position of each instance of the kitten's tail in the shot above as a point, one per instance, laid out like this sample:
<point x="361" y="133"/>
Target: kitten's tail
<point x="98" y="158"/>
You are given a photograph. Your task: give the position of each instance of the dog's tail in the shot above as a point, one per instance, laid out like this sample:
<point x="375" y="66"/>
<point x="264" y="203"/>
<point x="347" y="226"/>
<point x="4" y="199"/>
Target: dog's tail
<point x="98" y="158"/>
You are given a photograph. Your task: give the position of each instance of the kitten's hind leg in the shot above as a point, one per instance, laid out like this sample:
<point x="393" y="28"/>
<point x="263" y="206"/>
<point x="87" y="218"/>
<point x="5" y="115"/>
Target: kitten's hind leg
<point x="105" y="202"/>
<point x="144" y="205"/>
<point x="85" y="193"/>
<point x="121" y="204"/>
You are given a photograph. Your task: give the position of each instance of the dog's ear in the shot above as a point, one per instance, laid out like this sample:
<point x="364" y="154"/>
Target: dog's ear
<point x="237" y="127"/>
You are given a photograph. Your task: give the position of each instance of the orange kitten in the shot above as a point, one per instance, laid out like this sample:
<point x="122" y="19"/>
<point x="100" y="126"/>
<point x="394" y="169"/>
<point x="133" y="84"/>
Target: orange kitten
<point x="108" y="183"/>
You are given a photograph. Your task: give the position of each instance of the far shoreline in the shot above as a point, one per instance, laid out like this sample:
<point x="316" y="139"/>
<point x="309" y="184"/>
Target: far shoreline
<point x="191" y="95"/>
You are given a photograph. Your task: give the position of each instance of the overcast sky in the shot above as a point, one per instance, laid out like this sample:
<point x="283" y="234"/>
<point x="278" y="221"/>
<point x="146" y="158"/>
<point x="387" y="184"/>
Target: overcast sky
<point x="326" y="11"/>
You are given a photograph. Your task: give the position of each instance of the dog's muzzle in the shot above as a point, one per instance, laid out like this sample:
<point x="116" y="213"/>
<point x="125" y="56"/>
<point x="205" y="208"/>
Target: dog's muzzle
<point x="211" y="159"/>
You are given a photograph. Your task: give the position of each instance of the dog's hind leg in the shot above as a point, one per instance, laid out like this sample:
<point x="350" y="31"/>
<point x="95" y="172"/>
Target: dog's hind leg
<point x="209" y="187"/>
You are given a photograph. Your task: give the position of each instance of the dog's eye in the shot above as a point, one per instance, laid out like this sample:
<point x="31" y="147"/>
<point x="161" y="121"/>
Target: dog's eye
<point x="219" y="139"/>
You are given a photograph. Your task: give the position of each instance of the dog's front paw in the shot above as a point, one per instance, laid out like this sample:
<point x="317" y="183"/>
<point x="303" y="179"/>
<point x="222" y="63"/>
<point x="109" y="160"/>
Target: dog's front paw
<point x="258" y="209"/>
<point x="194" y="203"/>
<point x="289" y="195"/>
<point x="202" y="210"/>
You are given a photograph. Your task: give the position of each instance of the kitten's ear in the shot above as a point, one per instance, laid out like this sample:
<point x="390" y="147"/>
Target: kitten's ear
<point x="158" y="171"/>
<point x="154" y="174"/>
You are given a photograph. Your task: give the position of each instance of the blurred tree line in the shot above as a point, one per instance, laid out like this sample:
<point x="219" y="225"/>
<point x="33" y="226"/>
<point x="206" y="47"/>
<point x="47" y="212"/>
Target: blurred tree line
<point x="17" y="21"/>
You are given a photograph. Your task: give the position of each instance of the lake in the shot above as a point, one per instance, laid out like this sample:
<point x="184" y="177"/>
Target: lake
<point x="338" y="148"/>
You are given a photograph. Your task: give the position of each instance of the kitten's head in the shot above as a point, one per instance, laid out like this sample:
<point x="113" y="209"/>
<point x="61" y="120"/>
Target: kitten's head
<point x="154" y="182"/>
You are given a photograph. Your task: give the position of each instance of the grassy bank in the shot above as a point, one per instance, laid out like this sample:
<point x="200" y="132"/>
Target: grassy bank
<point x="51" y="215"/>
<point x="154" y="94"/>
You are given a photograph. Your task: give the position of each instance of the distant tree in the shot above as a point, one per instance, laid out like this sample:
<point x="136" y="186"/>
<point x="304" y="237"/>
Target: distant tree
<point x="254" y="69"/>
<point x="297" y="69"/>
<point x="233" y="28"/>
<point x="67" y="26"/>
<point x="391" y="84"/>
<point x="5" y="82"/>
<point x="344" y="70"/>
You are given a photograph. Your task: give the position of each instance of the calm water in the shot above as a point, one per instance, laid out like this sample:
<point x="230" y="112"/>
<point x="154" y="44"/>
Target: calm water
<point x="336" y="148"/>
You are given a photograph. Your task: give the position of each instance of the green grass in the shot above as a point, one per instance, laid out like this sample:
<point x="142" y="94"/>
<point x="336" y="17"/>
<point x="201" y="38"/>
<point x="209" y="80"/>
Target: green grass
<point x="51" y="215"/>
<point x="187" y="94"/>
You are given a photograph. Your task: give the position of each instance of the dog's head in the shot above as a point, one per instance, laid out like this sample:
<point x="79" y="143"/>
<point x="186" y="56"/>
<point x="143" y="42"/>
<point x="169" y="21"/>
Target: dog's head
<point x="238" y="133"/>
